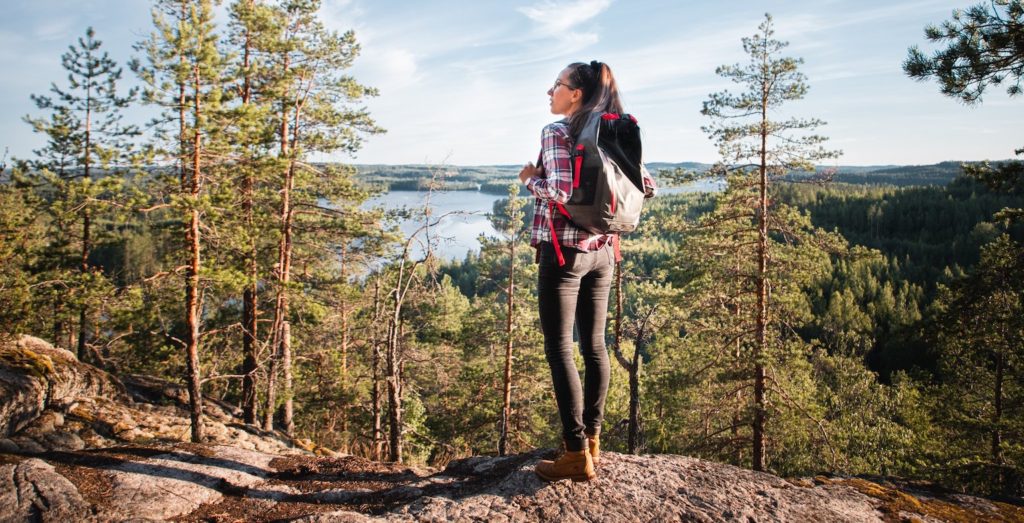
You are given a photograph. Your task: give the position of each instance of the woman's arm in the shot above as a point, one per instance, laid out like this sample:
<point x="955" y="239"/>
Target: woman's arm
<point x="650" y="187"/>
<point x="556" y="161"/>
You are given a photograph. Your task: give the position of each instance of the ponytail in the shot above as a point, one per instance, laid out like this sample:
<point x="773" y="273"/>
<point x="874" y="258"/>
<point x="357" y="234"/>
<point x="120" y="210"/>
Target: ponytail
<point x="600" y="93"/>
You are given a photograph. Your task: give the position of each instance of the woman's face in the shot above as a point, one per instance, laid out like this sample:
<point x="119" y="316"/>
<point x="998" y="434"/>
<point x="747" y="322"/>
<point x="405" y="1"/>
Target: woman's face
<point x="565" y="99"/>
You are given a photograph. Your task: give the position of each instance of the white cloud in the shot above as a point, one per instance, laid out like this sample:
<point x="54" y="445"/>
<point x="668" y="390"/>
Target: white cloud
<point x="558" y="20"/>
<point x="342" y="15"/>
<point x="556" y="17"/>
<point x="387" y="68"/>
<point x="58" y="28"/>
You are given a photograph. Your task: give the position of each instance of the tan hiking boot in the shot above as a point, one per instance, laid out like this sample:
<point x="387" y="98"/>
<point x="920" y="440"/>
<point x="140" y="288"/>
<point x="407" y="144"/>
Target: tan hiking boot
<point x="576" y="466"/>
<point x="594" y="446"/>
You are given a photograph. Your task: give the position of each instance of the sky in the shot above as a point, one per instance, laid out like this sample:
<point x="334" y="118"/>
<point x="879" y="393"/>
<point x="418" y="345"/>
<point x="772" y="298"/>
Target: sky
<point x="465" y="83"/>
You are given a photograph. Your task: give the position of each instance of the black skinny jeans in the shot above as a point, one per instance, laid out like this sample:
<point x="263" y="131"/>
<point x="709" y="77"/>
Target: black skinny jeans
<point x="576" y="291"/>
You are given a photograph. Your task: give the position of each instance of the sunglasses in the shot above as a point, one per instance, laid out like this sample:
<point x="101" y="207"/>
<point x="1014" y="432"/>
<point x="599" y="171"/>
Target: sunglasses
<point x="559" y="82"/>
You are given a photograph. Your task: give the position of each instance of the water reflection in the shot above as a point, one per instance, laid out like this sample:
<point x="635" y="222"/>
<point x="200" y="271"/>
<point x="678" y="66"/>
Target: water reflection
<point x="457" y="233"/>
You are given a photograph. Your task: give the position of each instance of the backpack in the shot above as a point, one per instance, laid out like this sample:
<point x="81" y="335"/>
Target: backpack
<point x="607" y="184"/>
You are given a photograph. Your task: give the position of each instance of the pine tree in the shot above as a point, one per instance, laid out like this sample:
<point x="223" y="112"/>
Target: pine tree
<point x="647" y="312"/>
<point x="983" y="48"/>
<point x="980" y="333"/>
<point x="84" y="131"/>
<point x="316" y="112"/>
<point x="185" y="74"/>
<point x="254" y="29"/>
<point x="22" y="242"/>
<point x="513" y="232"/>
<point x="757" y="149"/>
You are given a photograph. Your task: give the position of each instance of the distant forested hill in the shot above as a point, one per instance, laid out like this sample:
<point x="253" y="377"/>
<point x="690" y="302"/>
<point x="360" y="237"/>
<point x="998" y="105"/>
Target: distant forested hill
<point x="495" y="178"/>
<point x="935" y="174"/>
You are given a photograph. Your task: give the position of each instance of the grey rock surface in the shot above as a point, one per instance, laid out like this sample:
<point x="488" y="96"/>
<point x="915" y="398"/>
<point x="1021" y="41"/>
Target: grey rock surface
<point x="188" y="482"/>
<point x="648" y="488"/>
<point x="176" y="483"/>
<point x="32" y="490"/>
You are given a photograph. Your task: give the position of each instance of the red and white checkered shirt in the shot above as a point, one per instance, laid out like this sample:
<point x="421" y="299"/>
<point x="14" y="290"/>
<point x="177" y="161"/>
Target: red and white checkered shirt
<point x="556" y="184"/>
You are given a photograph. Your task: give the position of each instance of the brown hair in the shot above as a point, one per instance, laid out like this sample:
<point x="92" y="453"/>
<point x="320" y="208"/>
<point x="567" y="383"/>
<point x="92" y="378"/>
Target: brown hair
<point x="599" y="92"/>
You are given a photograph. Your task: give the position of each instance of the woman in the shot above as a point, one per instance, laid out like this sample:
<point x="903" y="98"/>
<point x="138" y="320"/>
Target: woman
<point x="576" y="291"/>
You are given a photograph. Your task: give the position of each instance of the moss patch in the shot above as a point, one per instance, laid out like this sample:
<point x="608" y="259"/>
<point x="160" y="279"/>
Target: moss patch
<point x="27" y="362"/>
<point x="895" y="505"/>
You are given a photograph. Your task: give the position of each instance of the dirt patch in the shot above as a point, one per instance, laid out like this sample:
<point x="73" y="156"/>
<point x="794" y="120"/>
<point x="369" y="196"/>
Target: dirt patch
<point x="348" y="466"/>
<point x="326" y="484"/>
<point x="94" y="486"/>
<point x="238" y="509"/>
<point x="85" y="469"/>
<point x="357" y="483"/>
<point x="10" y="459"/>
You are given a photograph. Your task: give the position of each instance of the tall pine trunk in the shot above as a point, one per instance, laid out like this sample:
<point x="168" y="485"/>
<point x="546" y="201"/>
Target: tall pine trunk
<point x="633" y="439"/>
<point x="761" y="344"/>
<point x="378" y="434"/>
<point x="283" y="272"/>
<point x="344" y="350"/>
<point x="83" y="316"/>
<point x="282" y="309"/>
<point x="737" y="419"/>
<point x="284" y="304"/>
<point x="394" y="387"/>
<point x="192" y="305"/>
<point x="250" y="306"/>
<point x="506" y="410"/>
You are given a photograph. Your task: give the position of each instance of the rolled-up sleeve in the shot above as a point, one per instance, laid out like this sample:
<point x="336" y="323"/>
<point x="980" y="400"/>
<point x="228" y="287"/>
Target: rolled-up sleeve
<point x="556" y="161"/>
<point x="650" y="186"/>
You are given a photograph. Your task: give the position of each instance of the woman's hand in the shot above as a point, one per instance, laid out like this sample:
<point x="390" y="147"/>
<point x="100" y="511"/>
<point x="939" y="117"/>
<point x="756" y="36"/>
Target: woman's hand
<point x="529" y="171"/>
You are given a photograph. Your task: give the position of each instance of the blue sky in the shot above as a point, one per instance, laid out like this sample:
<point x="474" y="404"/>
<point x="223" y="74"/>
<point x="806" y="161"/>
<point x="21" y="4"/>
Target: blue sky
<point x="465" y="83"/>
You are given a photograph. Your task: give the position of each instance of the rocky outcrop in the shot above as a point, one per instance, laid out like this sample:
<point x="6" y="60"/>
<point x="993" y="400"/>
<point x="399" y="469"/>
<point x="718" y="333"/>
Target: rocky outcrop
<point x="93" y="448"/>
<point x="186" y="482"/>
<point x="51" y="401"/>
<point x="35" y="376"/>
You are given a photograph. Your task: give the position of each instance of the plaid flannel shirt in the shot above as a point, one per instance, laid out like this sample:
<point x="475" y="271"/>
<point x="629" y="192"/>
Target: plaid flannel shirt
<point x="556" y="184"/>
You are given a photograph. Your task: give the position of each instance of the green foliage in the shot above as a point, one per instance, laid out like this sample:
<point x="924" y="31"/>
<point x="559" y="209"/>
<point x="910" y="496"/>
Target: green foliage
<point x="718" y="292"/>
<point x="78" y="191"/>
<point x="979" y="330"/>
<point x="22" y="248"/>
<point x="874" y="428"/>
<point x="982" y="48"/>
<point x="905" y="175"/>
<point x="767" y="252"/>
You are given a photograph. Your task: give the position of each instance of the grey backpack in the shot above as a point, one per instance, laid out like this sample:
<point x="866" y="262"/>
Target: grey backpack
<point x="607" y="186"/>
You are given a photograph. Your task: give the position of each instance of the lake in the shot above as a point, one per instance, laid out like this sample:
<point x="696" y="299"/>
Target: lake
<point x="458" y="234"/>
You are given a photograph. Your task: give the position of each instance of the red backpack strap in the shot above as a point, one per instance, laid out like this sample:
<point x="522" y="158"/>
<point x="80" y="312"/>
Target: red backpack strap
<point x="616" y="241"/>
<point x="554" y="233"/>
<point x="578" y="166"/>
<point x="563" y="211"/>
